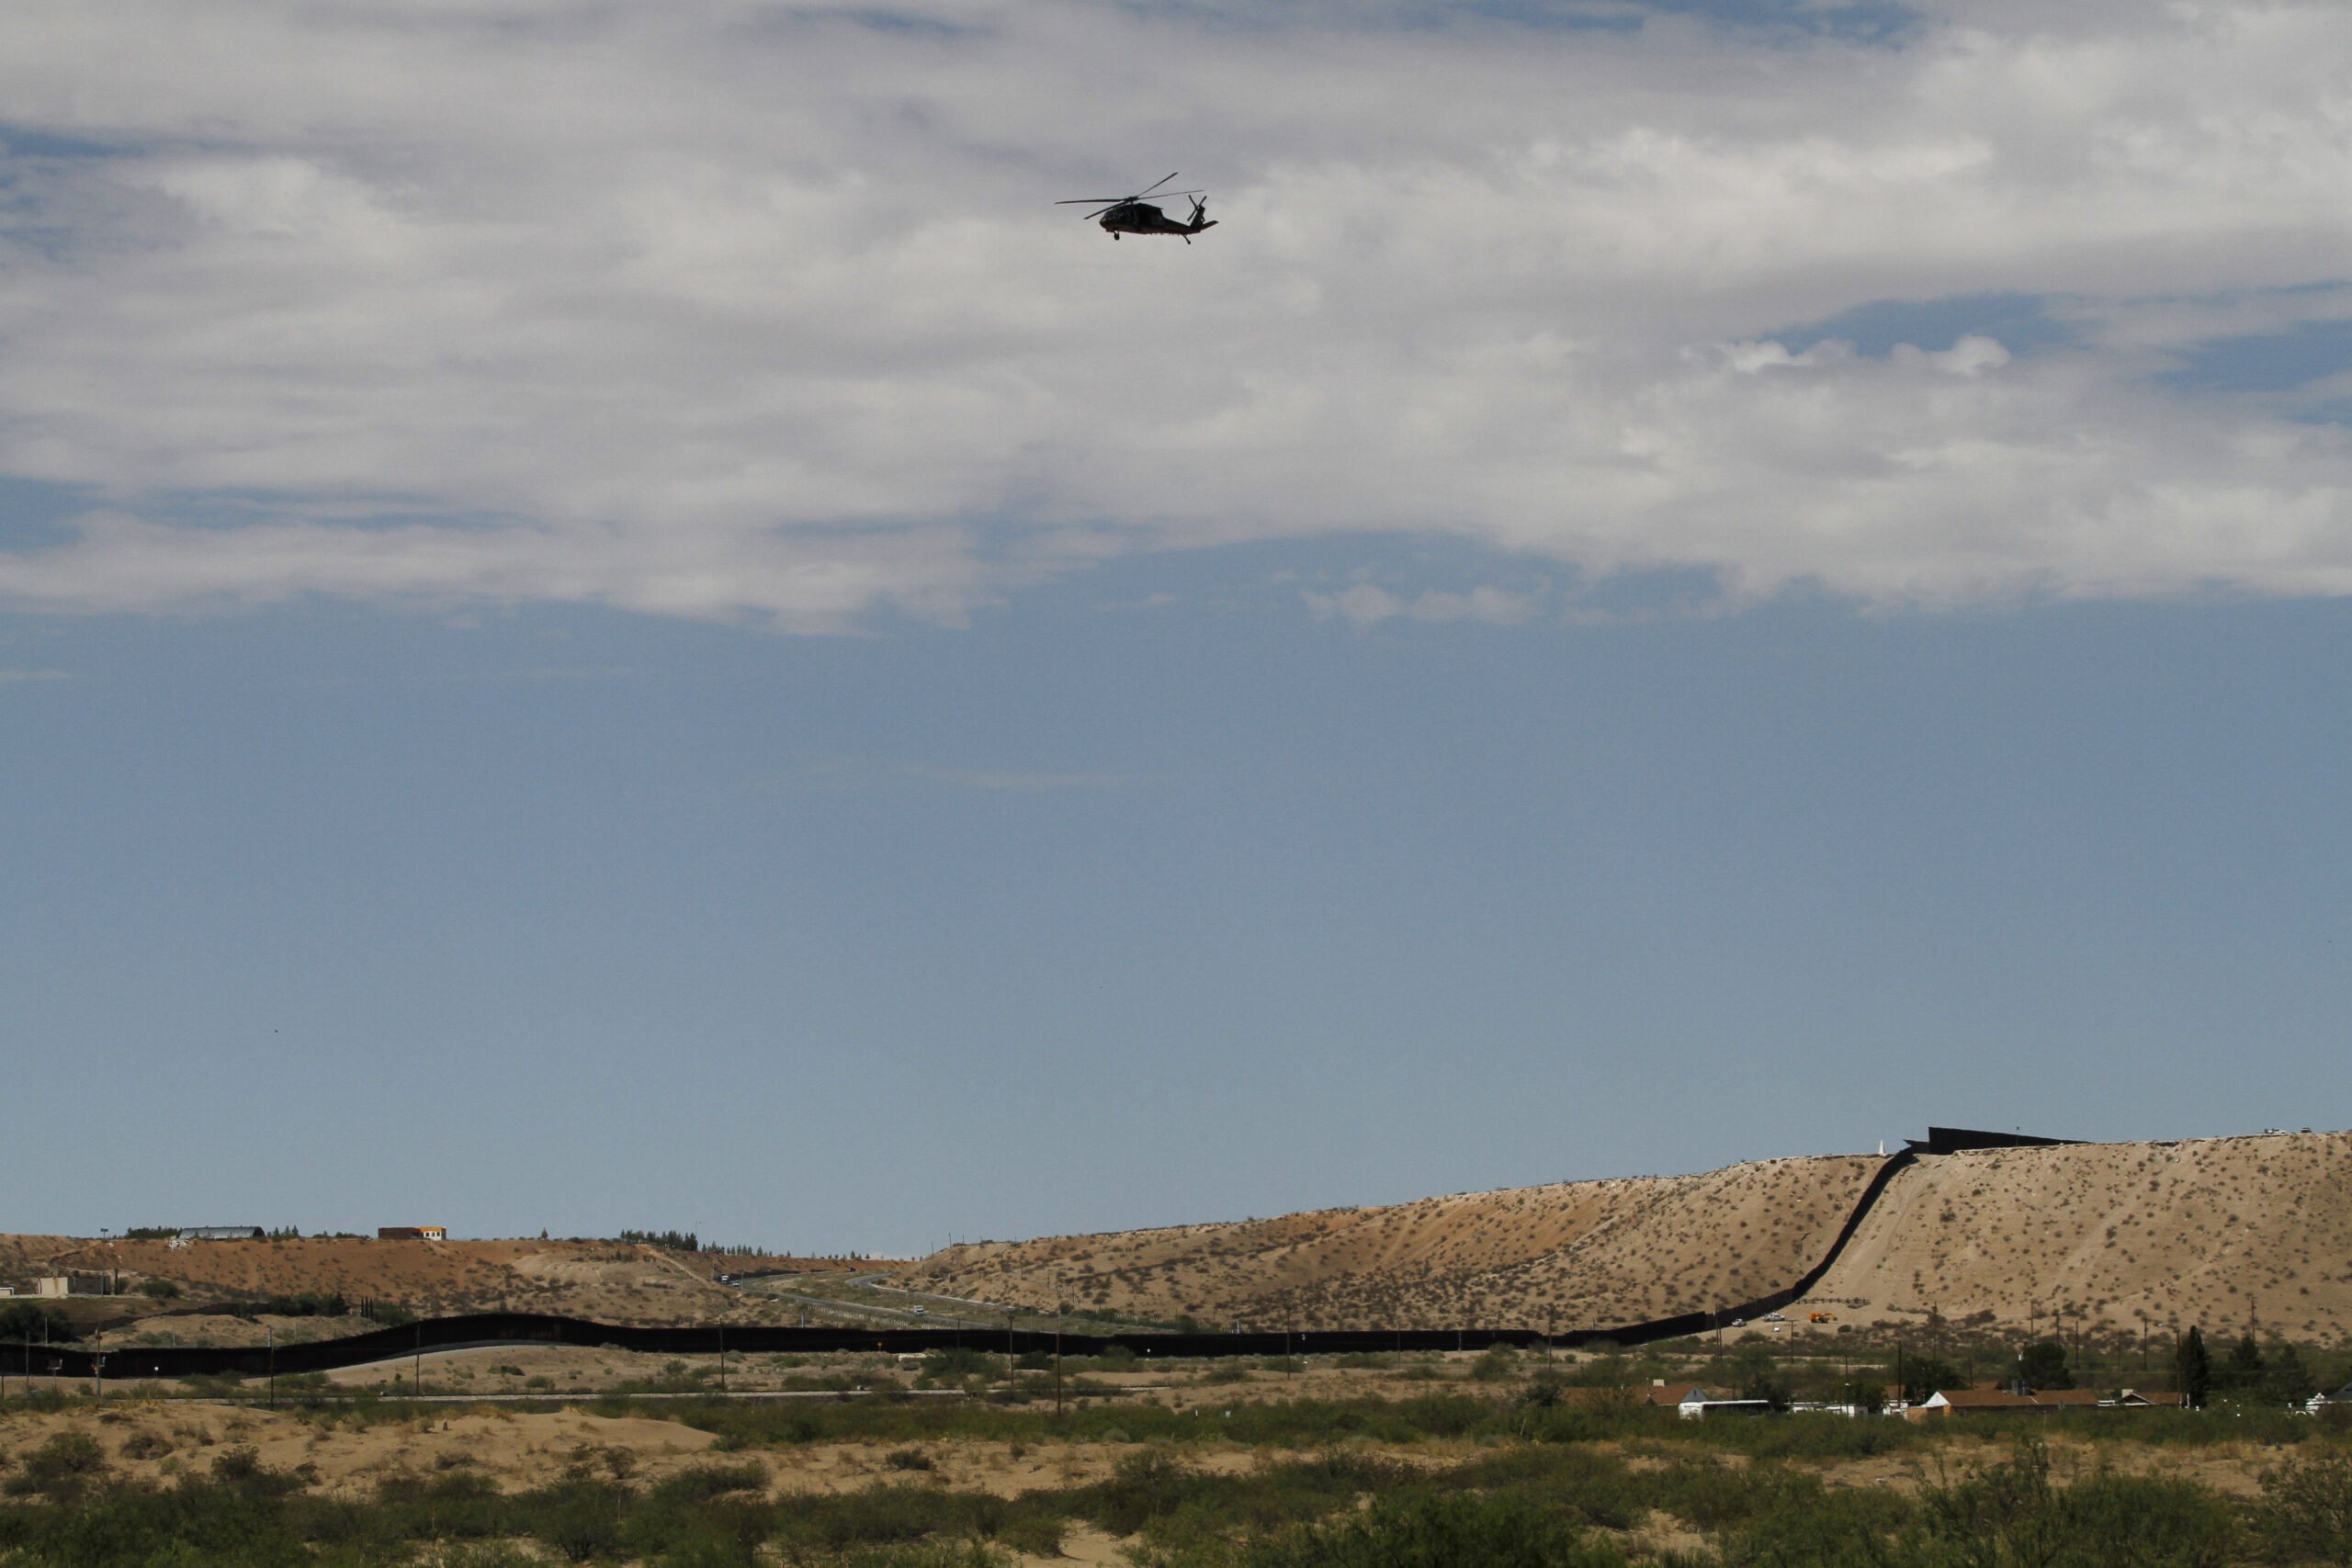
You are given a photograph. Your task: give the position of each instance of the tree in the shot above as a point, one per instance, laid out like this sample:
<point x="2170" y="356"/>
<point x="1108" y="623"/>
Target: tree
<point x="2244" y="1366"/>
<point x="29" y="1320"/>
<point x="2044" y="1366"/>
<point x="2193" y="1370"/>
<point x="1760" y="1376"/>
<point x="2286" y="1381"/>
<point x="1922" y="1375"/>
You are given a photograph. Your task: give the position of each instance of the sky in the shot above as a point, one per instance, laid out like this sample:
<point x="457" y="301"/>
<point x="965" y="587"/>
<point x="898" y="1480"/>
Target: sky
<point x="609" y="619"/>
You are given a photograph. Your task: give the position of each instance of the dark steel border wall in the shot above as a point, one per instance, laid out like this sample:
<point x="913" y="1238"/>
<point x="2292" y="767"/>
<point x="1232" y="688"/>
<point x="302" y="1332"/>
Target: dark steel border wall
<point x="513" y="1328"/>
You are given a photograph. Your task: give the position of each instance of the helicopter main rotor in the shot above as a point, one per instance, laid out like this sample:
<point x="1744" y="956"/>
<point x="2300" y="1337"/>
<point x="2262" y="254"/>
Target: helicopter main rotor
<point x="1108" y="202"/>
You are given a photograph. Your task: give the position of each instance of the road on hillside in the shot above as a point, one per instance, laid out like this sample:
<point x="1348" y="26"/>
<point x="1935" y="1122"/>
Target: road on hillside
<point x="1068" y="1324"/>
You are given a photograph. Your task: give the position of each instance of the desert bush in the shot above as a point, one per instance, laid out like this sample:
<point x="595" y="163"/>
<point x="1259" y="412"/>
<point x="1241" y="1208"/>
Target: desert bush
<point x="2305" y="1513"/>
<point x="699" y="1484"/>
<point x="907" y="1459"/>
<point x="146" y="1444"/>
<point x="1496" y="1365"/>
<point x="1596" y="1487"/>
<point x="457" y="1505"/>
<point x="954" y="1365"/>
<point x="62" y="1468"/>
<point x="580" y="1519"/>
<point x="879" y="1516"/>
<point x="1440" y="1532"/>
<point x="194" y="1526"/>
<point x="2013" y="1512"/>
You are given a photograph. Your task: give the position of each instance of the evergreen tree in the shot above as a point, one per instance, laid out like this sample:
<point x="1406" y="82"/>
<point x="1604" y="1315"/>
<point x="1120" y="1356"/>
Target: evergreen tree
<point x="2245" y="1365"/>
<point x="2044" y="1366"/>
<point x="2286" y="1381"/>
<point x="2193" y="1370"/>
<point x="1924" y="1376"/>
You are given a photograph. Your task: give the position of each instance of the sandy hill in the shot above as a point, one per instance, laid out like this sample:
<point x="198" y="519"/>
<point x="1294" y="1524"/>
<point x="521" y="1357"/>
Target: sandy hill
<point x="1574" y="1254"/>
<point x="2225" y="1232"/>
<point x="612" y="1281"/>
<point x="2220" y="1231"/>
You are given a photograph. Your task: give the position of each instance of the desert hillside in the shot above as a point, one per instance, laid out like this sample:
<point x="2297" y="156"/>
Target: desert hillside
<point x="611" y="1281"/>
<point x="1573" y="1255"/>
<point x="2222" y="1231"/>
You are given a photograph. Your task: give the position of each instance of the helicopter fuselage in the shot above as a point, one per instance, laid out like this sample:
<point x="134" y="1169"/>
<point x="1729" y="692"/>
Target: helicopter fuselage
<point x="1142" y="218"/>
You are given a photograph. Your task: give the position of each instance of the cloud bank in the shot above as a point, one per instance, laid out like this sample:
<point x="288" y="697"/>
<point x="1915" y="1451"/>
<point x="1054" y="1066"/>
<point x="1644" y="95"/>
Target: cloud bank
<point x="722" y="309"/>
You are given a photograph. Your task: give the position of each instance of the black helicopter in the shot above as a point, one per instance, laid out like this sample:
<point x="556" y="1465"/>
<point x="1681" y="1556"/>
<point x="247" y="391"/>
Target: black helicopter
<point x="1133" y="215"/>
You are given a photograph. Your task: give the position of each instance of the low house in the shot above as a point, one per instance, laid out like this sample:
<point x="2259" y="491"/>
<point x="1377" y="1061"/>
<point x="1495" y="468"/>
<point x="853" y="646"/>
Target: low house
<point x="74" y="1284"/>
<point x="2341" y="1399"/>
<point x="1992" y="1399"/>
<point x="411" y="1233"/>
<point x="2068" y="1398"/>
<point x="220" y="1233"/>
<point x="1695" y="1401"/>
<point x="2141" y="1399"/>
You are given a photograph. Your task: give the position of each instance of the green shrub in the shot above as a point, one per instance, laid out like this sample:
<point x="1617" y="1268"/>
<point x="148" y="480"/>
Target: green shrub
<point x="580" y="1519"/>
<point x="1440" y="1532"/>
<point x="699" y="1484"/>
<point x="33" y="1323"/>
<point x="2305" y="1513"/>
<point x="2013" y="1512"/>
<point x="64" y="1467"/>
<point x="1594" y="1486"/>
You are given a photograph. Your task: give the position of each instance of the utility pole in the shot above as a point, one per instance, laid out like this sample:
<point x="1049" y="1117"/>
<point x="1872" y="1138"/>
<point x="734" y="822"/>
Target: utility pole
<point x="270" y="1331"/>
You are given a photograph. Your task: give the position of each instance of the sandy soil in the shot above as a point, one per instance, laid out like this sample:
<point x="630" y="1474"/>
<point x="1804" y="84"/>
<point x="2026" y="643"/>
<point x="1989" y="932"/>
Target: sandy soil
<point x="2229" y="1232"/>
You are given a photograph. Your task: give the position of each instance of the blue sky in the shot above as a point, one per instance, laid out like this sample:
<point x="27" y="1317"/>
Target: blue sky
<point x="608" y="620"/>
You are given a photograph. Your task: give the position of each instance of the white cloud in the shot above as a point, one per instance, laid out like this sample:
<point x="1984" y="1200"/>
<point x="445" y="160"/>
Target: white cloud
<point x="733" y="310"/>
